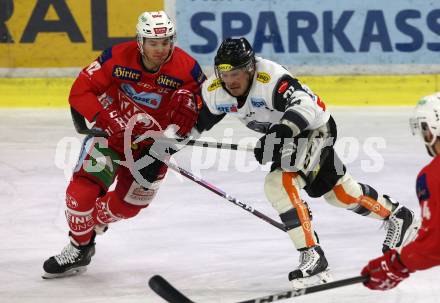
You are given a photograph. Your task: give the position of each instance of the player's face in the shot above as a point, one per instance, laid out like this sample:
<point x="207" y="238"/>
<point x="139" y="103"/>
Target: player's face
<point x="156" y="51"/>
<point x="236" y="81"/>
<point x="432" y="143"/>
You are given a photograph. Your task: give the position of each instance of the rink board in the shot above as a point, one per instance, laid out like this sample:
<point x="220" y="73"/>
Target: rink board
<point x="335" y="90"/>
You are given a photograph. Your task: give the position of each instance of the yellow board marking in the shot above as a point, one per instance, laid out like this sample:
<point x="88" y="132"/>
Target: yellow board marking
<point x="334" y="90"/>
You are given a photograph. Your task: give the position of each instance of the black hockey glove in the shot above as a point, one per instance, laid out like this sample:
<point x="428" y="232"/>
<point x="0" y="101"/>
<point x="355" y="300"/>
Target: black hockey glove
<point x="269" y="146"/>
<point x="157" y="153"/>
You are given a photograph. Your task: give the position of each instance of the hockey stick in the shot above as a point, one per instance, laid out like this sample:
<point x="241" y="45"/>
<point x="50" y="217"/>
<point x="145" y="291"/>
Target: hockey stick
<point x="223" y="194"/>
<point x="219" y="145"/>
<point x="199" y="143"/>
<point x="170" y="294"/>
<point x="81" y="127"/>
<point x="86" y="131"/>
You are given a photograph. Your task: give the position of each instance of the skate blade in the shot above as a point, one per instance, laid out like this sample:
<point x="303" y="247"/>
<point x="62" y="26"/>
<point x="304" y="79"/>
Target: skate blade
<point x="68" y="273"/>
<point x="320" y="278"/>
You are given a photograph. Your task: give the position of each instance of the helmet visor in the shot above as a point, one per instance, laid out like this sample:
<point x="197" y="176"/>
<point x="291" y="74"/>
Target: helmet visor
<point x="227" y="69"/>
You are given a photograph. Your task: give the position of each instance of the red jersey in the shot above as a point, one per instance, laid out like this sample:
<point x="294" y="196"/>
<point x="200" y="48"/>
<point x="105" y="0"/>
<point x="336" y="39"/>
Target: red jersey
<point x="424" y="251"/>
<point x="119" y="76"/>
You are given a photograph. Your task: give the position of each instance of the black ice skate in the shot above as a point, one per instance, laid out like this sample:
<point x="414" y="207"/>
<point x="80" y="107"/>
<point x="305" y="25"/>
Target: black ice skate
<point x="312" y="270"/>
<point x="401" y="227"/>
<point x="72" y="260"/>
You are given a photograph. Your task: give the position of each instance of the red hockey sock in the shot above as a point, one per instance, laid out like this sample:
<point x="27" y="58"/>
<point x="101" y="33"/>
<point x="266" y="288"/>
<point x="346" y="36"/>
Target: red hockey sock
<point x="81" y="195"/>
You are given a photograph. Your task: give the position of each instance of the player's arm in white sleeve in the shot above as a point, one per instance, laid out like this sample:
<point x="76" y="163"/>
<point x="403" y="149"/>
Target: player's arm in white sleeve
<point x="300" y="109"/>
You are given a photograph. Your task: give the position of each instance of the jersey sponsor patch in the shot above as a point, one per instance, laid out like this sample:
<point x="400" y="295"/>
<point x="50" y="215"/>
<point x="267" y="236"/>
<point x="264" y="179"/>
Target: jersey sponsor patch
<point x="227" y="108"/>
<point x="224" y="67"/>
<point x="160" y="30"/>
<point x="151" y="100"/>
<point x="283" y="86"/>
<point x="105" y="56"/>
<point x="422" y="188"/>
<point x="169" y="82"/>
<point x="263" y="77"/>
<point x="126" y="73"/>
<point x="198" y="74"/>
<point x="138" y="195"/>
<point x="258" y="102"/>
<point x="217" y="83"/>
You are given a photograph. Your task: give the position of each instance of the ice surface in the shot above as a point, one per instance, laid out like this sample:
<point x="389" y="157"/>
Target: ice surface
<point x="210" y="249"/>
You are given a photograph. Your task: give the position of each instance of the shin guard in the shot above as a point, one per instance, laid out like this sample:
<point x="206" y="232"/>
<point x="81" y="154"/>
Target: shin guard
<point x="81" y="197"/>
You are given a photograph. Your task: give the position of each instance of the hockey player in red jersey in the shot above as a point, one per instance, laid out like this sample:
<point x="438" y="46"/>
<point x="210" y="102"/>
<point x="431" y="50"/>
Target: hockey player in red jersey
<point x="389" y="270"/>
<point x="131" y="88"/>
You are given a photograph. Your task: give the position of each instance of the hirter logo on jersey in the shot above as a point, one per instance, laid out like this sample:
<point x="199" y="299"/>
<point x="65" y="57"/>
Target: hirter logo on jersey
<point x="126" y="73"/>
<point x="160" y="30"/>
<point x="169" y="82"/>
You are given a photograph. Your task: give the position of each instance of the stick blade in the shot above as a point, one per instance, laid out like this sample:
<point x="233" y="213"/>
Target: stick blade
<point x="167" y="291"/>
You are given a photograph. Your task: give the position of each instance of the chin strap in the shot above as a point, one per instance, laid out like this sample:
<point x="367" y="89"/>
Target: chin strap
<point x="431" y="146"/>
<point x="430" y="149"/>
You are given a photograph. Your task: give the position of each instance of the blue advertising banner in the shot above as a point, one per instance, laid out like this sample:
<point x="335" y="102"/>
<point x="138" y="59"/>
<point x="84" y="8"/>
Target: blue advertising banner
<point x="315" y="32"/>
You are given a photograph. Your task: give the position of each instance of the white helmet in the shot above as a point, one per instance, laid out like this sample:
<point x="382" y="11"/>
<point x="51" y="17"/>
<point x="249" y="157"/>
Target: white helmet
<point x="426" y="118"/>
<point x="154" y="25"/>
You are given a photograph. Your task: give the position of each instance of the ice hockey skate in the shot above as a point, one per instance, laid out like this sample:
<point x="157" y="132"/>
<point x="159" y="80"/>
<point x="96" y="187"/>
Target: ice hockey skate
<point x="312" y="270"/>
<point x="72" y="260"/>
<point x="401" y="227"/>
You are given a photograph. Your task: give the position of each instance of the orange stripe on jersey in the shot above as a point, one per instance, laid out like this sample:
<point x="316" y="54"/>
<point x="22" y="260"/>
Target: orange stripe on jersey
<point x="342" y="195"/>
<point x="374" y="206"/>
<point x="298" y="204"/>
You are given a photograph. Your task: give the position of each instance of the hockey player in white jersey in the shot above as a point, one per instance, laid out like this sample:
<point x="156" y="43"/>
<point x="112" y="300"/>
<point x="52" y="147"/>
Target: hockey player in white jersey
<point x="298" y="138"/>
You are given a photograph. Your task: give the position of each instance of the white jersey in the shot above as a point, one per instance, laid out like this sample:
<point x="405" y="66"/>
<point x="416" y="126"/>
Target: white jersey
<point x="274" y="95"/>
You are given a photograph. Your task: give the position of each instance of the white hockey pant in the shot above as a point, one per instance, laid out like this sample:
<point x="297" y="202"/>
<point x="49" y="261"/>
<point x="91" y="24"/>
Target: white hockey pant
<point x="359" y="198"/>
<point x="282" y="190"/>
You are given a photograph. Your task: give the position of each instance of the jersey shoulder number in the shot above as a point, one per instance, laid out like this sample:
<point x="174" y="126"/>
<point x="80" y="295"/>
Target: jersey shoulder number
<point x="282" y="95"/>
